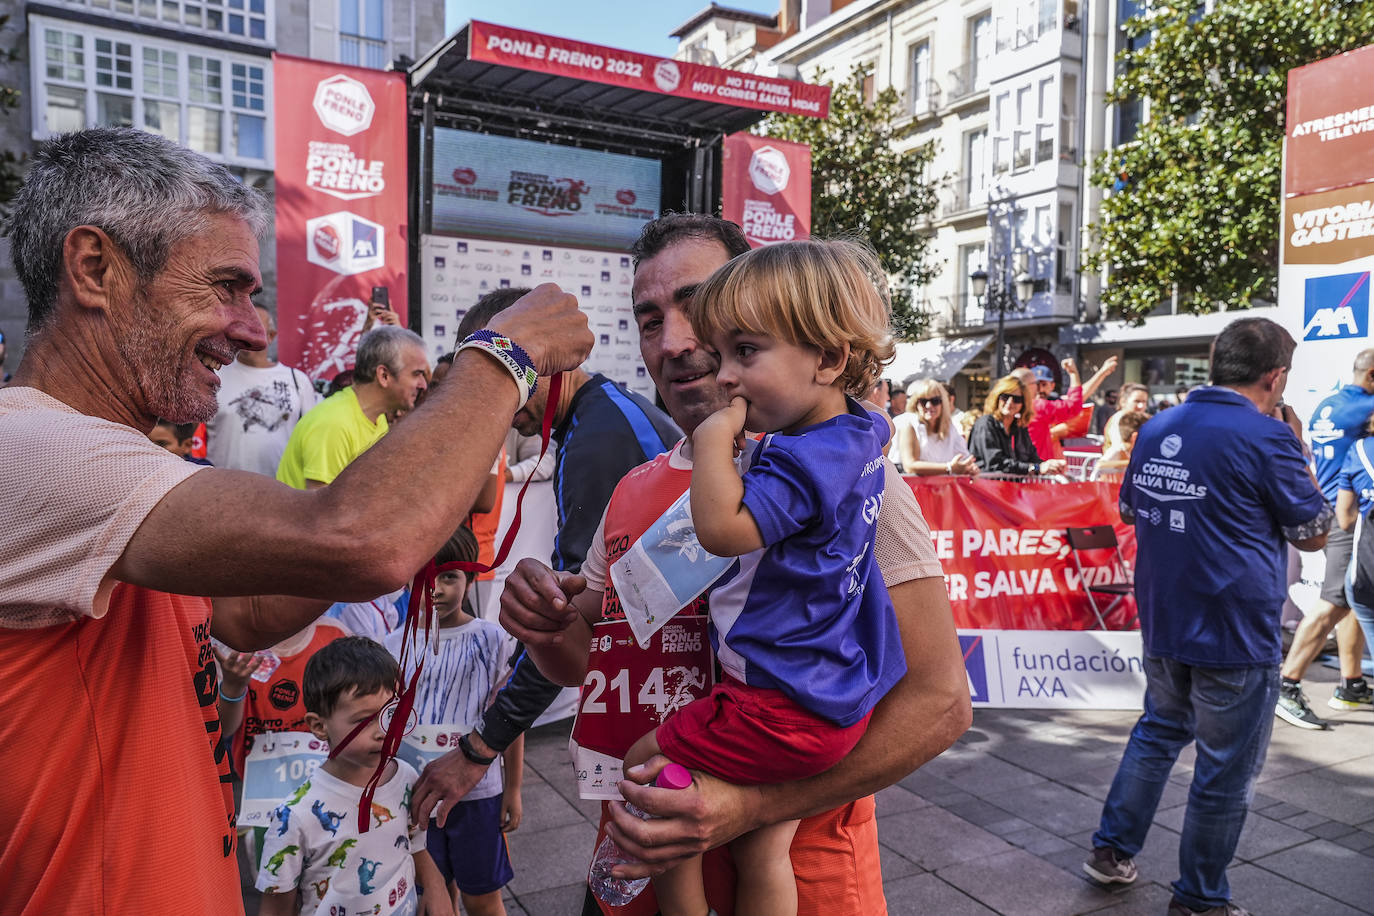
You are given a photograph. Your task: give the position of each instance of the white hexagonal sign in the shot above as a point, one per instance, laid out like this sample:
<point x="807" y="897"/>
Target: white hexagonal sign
<point x="344" y="105"/>
<point x="768" y="170"/>
<point x="345" y="243"/>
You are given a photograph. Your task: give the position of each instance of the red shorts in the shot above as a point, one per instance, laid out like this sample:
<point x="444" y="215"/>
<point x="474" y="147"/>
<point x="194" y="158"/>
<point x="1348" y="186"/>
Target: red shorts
<point x="749" y="735"/>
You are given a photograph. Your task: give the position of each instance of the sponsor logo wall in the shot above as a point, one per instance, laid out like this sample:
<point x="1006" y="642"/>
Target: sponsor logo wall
<point x="456" y="272"/>
<point x="341" y="206"/>
<point x="1327" y="251"/>
<point x="766" y="188"/>
<point x="540" y="192"/>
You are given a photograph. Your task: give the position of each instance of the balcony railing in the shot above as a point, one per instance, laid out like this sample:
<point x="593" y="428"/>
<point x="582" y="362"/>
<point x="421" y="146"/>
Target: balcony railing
<point x="966" y="80"/>
<point x="923" y="103"/>
<point x="963" y="197"/>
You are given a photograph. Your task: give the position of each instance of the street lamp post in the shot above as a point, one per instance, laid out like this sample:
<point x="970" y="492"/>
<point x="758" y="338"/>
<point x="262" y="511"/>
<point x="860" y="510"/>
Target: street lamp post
<point x="1004" y="296"/>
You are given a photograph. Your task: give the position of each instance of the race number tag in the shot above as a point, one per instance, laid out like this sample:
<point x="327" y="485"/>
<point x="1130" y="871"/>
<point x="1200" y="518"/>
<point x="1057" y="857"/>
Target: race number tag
<point x="277" y="763"/>
<point x="664" y="571"/>
<point x="629" y="691"/>
<point x="429" y="742"/>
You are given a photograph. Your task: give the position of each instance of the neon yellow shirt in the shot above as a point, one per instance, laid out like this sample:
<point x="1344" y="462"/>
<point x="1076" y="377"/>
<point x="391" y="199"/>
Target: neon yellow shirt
<point x="327" y="439"/>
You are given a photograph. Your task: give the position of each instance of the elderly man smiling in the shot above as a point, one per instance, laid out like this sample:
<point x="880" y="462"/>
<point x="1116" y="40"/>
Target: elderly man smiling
<point x="138" y="258"/>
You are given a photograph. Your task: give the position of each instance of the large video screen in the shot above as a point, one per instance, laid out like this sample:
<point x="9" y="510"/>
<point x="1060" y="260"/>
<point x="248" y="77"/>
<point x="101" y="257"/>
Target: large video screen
<point x="539" y="192"/>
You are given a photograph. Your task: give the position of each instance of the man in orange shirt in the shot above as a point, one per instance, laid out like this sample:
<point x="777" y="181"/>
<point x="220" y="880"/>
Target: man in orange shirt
<point x="138" y="259"/>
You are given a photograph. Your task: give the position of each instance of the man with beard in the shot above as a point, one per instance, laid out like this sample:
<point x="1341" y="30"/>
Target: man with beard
<point x="390" y="375"/>
<point x="836" y="854"/>
<point x="138" y="258"/>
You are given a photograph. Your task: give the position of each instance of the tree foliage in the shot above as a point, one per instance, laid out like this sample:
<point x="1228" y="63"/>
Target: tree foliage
<point x="1193" y="203"/>
<point x="862" y="185"/>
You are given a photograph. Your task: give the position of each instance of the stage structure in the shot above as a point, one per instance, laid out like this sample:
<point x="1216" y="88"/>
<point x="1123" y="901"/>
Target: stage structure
<point x="539" y="159"/>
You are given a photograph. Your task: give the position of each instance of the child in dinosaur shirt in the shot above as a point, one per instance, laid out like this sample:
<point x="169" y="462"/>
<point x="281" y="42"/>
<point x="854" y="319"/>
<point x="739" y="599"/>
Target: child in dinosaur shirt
<point x="314" y="859"/>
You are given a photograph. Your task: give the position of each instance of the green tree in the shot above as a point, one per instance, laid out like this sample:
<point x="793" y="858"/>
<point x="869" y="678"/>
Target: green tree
<point x="861" y="184"/>
<point x="1193" y="208"/>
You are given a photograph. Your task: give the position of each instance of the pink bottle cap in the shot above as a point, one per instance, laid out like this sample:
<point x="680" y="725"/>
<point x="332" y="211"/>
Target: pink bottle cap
<point x="673" y="776"/>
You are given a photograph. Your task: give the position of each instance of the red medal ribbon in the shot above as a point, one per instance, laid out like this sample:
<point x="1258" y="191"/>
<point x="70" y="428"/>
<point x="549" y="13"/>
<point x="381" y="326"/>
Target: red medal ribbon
<point x="421" y="594"/>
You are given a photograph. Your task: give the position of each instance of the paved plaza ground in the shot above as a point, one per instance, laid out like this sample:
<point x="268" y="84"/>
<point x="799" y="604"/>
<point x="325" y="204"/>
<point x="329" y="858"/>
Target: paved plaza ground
<point x="1001" y="822"/>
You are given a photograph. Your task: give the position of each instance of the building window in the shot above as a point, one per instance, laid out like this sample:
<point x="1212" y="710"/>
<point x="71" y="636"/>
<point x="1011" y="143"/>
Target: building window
<point x="922" y="99"/>
<point x="213" y="103"/>
<point x="248" y="95"/>
<point x="362" y="33"/>
<point x="971" y="258"/>
<point x="114" y="64"/>
<point x="1064" y="259"/>
<point x="975" y="186"/>
<point x="243" y="19"/>
<point x="1068" y="118"/>
<point x="979" y="44"/>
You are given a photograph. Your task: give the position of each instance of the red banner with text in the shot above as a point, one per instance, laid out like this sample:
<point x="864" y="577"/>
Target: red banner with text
<point x="497" y="44"/>
<point x="1007" y="564"/>
<point x="766" y="188"/>
<point x="341" y="206"/>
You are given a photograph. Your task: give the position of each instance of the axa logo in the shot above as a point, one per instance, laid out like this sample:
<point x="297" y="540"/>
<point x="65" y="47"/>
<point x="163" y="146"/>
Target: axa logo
<point x="346" y="243"/>
<point x="976" y="666"/>
<point x="1336" y="307"/>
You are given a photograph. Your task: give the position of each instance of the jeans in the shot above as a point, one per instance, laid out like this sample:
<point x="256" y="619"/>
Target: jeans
<point x="1229" y="712"/>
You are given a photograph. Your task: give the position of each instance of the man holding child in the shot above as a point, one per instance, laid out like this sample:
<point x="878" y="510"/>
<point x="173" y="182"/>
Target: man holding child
<point x="834" y="853"/>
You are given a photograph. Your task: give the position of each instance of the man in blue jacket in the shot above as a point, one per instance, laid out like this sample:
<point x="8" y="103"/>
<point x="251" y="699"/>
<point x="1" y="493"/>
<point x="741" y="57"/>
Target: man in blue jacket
<point x="1216" y="488"/>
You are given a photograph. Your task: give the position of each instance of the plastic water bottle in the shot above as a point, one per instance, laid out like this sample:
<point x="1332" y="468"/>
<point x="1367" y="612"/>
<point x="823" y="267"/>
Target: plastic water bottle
<point x="620" y="891"/>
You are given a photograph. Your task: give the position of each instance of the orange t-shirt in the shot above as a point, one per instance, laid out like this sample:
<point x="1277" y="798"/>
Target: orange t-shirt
<point x="115" y="789"/>
<point x="485" y="524"/>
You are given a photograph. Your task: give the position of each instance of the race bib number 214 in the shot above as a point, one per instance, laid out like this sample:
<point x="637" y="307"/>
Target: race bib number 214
<point x="629" y="691"/>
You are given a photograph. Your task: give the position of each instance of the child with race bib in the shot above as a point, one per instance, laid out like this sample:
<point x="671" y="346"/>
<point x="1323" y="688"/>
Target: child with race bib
<point x="454" y="688"/>
<point x="314" y="859"/>
<point x="801" y="624"/>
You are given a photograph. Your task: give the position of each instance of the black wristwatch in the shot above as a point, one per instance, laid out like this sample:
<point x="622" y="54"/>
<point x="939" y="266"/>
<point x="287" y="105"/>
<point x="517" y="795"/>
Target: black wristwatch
<point x="470" y="753"/>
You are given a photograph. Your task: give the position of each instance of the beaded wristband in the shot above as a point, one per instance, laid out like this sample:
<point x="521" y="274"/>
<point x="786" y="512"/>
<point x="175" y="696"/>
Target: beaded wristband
<point x="510" y="354"/>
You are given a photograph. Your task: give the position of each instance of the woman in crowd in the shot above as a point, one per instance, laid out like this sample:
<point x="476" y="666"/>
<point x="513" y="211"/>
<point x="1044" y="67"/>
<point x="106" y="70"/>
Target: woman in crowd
<point x="999" y="440"/>
<point x="1134" y="398"/>
<point x="927" y="441"/>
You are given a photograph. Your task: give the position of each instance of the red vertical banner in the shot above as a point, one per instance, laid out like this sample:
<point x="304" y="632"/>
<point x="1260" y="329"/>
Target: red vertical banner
<point x="341" y="206"/>
<point x="766" y="188"/>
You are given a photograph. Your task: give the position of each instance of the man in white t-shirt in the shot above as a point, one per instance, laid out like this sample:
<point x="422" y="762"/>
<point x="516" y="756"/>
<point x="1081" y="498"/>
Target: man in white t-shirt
<point x="260" y="402"/>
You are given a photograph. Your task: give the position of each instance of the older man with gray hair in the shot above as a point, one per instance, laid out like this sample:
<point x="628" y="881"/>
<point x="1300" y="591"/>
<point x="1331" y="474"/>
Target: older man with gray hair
<point x="390" y="374"/>
<point x="138" y="258"/>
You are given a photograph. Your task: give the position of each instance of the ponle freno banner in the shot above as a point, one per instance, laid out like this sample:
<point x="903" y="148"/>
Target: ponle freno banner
<point x="1007" y="564"/>
<point x="496" y="44"/>
<point x="766" y="188"/>
<point x="341" y="206"/>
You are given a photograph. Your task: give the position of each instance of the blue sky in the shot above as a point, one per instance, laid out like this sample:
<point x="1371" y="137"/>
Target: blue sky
<point x="636" y="26"/>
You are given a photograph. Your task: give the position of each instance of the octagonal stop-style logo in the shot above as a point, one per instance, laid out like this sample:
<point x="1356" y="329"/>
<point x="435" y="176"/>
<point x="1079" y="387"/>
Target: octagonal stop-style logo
<point x="344" y="105"/>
